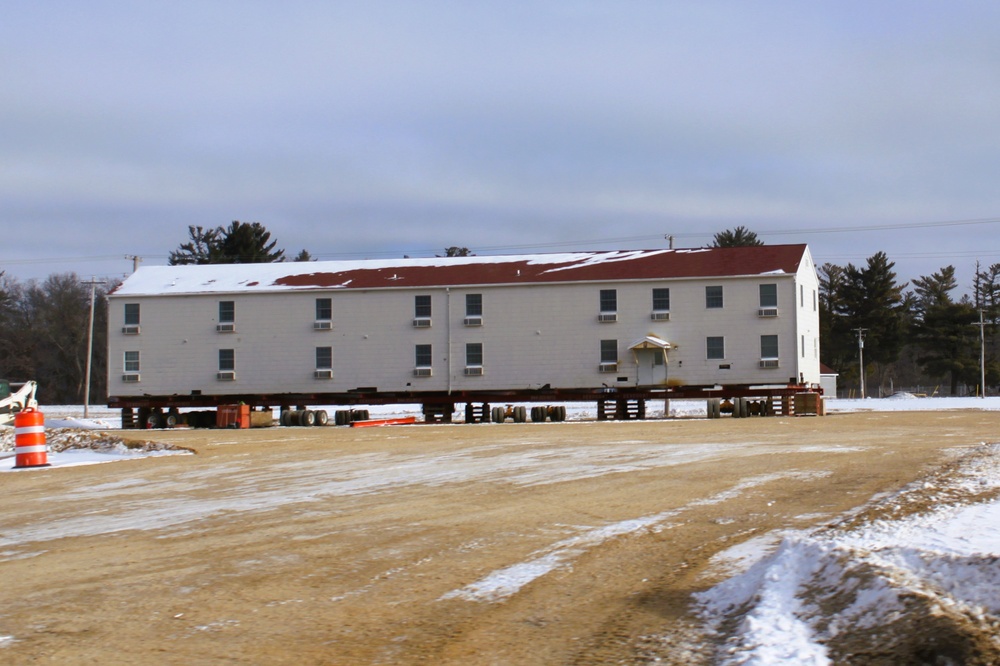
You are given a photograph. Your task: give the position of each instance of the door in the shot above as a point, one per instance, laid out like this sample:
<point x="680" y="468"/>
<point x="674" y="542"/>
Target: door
<point x="652" y="365"/>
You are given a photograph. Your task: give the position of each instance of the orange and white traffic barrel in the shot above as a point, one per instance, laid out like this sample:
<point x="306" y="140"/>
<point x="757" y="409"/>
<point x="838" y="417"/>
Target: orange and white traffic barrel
<point x="29" y="439"/>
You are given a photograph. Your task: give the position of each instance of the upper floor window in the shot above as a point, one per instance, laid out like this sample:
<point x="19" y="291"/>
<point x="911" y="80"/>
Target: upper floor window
<point x="131" y="314"/>
<point x="422" y="306"/>
<point x="473" y="305"/>
<point x="715" y="347"/>
<point x="661" y="299"/>
<point x="713" y="296"/>
<point x="324" y="358"/>
<point x="324" y="309"/>
<point x="609" y="300"/>
<point x="768" y="295"/>
<point x="227" y="317"/>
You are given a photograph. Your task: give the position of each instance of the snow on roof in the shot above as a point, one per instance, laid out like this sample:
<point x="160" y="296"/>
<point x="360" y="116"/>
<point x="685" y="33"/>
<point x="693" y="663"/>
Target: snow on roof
<point x="455" y="271"/>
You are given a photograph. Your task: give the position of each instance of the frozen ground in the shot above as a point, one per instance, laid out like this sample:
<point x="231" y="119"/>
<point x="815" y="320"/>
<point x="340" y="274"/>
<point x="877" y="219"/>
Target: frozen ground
<point x="928" y="563"/>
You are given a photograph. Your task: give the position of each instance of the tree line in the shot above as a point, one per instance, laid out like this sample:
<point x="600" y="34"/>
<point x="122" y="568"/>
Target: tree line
<point x="924" y="335"/>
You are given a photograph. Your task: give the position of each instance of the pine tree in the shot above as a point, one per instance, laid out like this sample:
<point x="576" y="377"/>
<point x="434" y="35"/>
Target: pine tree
<point x="871" y="299"/>
<point x="245" y="243"/>
<point x="738" y="237"/>
<point x="198" y="250"/>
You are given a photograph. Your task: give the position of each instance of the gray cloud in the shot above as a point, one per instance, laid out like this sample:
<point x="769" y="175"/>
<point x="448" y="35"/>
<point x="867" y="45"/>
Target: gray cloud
<point x="389" y="127"/>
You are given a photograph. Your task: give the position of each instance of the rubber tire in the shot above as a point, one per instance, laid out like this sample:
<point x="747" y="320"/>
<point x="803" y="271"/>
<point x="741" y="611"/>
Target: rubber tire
<point x="520" y="414"/>
<point x="322" y="418"/>
<point x="737" y="408"/>
<point x="498" y="414"/>
<point x="307" y="417"/>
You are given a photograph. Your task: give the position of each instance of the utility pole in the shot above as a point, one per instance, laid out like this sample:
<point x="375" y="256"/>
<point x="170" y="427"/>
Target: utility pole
<point x="982" y="355"/>
<point x="136" y="260"/>
<point x="861" y="358"/>
<point x="90" y="345"/>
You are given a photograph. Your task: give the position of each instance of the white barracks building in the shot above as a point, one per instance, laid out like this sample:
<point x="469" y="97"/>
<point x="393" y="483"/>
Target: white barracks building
<point x="463" y="328"/>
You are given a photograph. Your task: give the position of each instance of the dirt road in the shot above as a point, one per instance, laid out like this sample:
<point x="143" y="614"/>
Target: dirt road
<point x="483" y="544"/>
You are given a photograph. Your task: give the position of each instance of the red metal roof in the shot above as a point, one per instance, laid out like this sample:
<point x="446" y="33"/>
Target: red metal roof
<point x="543" y="268"/>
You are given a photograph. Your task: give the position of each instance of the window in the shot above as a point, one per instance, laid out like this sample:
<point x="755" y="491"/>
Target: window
<point x="609" y="351"/>
<point x="715" y="348"/>
<point x="769" y="346"/>
<point x="422" y="307"/>
<point x="609" y="300"/>
<point x="324" y="358"/>
<point x="803" y="346"/>
<point x="474" y="354"/>
<point x="131" y="361"/>
<point x="768" y="295"/>
<point x="324" y="309"/>
<point x="802" y="295"/>
<point x="609" y="306"/>
<point x="814" y="301"/>
<point x="661" y="299"/>
<point x="227" y="312"/>
<point x="713" y="297"/>
<point x="423" y="356"/>
<point x="473" y="305"/>
<point x="227" y="360"/>
<point x="131" y="314"/>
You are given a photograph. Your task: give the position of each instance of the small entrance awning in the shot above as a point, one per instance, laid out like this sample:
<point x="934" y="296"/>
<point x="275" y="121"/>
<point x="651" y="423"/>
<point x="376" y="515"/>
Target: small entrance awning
<point x="651" y="342"/>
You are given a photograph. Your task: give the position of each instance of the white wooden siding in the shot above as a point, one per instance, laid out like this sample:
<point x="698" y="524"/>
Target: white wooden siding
<point x="532" y="335"/>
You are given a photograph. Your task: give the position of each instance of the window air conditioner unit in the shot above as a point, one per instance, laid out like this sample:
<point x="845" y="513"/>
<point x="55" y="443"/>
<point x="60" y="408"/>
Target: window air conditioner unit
<point x="228" y="327"/>
<point x="767" y="312"/>
<point x="226" y="375"/>
<point x="660" y="316"/>
<point x="422" y="372"/>
<point x="474" y="371"/>
<point x="608" y="367"/>
<point x="323" y="374"/>
<point x="606" y="317"/>
<point x="130" y="377"/>
<point x="769" y="363"/>
<point x="322" y="325"/>
<point x="131" y="329"/>
<point x="422" y="322"/>
<point x="473" y="321"/>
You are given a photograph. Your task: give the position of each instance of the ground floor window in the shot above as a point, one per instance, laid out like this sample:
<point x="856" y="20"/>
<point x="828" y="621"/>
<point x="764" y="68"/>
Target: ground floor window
<point x="474" y="353"/>
<point x="423" y="356"/>
<point x="769" y="346"/>
<point x="715" y="347"/>
<point x="324" y="358"/>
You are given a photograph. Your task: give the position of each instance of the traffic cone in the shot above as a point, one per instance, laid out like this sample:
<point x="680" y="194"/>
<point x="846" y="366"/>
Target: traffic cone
<point x="29" y="439"/>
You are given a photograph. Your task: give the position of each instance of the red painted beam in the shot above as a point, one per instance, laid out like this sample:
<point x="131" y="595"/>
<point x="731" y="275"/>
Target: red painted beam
<point x="404" y="420"/>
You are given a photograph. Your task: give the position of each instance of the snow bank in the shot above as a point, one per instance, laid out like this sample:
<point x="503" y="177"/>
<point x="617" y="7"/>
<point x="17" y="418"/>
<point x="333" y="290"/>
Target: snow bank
<point x="916" y="576"/>
<point x="82" y="444"/>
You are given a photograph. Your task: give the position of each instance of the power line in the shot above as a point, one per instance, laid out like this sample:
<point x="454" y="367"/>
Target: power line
<point x="606" y="241"/>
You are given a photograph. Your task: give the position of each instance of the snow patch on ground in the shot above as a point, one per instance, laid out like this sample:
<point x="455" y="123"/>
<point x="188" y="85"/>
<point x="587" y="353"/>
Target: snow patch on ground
<point x="917" y="574"/>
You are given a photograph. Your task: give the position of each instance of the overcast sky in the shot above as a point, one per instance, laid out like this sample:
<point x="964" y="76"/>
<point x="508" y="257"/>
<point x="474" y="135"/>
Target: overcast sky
<point x="378" y="129"/>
